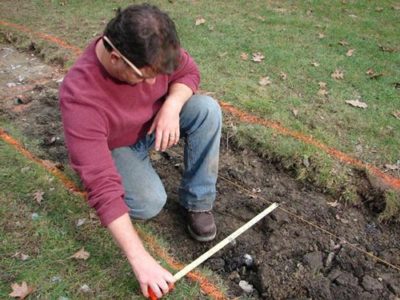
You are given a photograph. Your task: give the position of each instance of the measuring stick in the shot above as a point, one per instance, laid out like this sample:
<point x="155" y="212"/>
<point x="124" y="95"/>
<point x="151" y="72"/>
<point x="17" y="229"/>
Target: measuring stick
<point x="220" y="245"/>
<point x="224" y="242"/>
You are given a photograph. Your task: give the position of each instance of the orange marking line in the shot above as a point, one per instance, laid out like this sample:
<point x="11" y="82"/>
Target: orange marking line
<point x="46" y="164"/>
<point x="77" y="51"/>
<point x="205" y="284"/>
<point x="343" y="157"/>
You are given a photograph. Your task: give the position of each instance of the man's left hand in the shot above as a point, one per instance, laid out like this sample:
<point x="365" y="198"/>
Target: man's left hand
<point x="166" y="126"/>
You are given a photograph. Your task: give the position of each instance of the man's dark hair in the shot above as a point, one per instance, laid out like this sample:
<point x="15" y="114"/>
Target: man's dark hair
<point x="146" y="36"/>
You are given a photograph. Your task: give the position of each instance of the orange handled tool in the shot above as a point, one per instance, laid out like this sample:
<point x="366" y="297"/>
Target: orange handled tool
<point x="153" y="296"/>
<point x="217" y="247"/>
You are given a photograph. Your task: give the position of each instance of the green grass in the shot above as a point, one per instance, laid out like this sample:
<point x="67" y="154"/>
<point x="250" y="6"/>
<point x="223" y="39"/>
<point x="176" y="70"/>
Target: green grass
<point x="52" y="237"/>
<point x="286" y="32"/>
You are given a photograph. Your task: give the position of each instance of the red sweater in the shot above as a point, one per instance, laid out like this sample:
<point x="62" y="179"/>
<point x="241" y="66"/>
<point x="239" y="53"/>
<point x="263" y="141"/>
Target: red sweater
<point x="100" y="113"/>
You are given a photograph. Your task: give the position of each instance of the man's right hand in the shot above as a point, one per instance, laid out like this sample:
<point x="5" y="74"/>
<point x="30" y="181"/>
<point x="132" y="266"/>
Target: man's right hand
<point x="151" y="275"/>
<point x="147" y="271"/>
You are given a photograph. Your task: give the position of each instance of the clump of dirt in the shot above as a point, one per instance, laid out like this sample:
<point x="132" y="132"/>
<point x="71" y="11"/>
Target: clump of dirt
<point x="281" y="257"/>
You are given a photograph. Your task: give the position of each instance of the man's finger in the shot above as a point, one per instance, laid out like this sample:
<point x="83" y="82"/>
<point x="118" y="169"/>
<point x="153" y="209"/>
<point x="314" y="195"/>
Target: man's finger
<point x="165" y="139"/>
<point x="145" y="290"/>
<point x="156" y="290"/>
<point x="158" y="141"/>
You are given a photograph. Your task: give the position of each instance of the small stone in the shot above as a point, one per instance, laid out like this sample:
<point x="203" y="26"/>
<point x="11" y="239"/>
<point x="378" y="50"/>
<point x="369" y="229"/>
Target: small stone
<point x="329" y="259"/>
<point x="11" y="85"/>
<point x="246" y="287"/>
<point x="347" y="279"/>
<point x="314" y="260"/>
<point x="371" y="284"/>
<point x="248" y="260"/>
<point x="35" y="216"/>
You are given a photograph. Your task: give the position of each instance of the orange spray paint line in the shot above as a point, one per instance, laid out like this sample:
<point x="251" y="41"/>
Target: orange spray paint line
<point x="343" y="157"/>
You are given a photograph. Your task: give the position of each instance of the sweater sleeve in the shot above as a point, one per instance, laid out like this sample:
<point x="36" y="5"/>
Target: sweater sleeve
<point x="187" y="72"/>
<point x="85" y="131"/>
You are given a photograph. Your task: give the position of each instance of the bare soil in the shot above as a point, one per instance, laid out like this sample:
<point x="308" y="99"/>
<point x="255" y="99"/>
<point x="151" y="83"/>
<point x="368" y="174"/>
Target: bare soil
<point x="282" y="257"/>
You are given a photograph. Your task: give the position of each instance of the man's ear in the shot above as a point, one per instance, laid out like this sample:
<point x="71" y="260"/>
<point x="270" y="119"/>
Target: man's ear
<point x="114" y="57"/>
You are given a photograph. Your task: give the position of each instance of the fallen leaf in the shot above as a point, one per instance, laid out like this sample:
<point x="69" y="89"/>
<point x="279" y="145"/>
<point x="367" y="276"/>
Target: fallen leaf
<point x="357" y="103"/>
<point x="264" y="81"/>
<point x="295" y="112"/>
<point x="49" y="164"/>
<point x="244" y="56"/>
<point x="353" y="16"/>
<point x="21" y="256"/>
<point x="21" y="291"/>
<point x="323" y="89"/>
<point x="379" y="9"/>
<point x="322" y="85"/>
<point x="396" y="7"/>
<point x="315" y="64"/>
<point x="257" y="57"/>
<point x="81" y="254"/>
<point x="387" y="49"/>
<point x="85" y="289"/>
<point x="222" y="54"/>
<point x="397" y="115"/>
<point x="322" y="92"/>
<point x="283" y="75"/>
<point x="333" y="204"/>
<point x="344" y="43"/>
<point x="392" y="167"/>
<point x="372" y="74"/>
<point x="338" y="74"/>
<point x="200" y="21"/>
<point x="321" y="35"/>
<point x="80" y="222"/>
<point x="38" y="196"/>
<point x="350" y="52"/>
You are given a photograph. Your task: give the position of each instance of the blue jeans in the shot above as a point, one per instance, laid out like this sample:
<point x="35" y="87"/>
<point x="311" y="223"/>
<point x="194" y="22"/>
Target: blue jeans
<point x="200" y="126"/>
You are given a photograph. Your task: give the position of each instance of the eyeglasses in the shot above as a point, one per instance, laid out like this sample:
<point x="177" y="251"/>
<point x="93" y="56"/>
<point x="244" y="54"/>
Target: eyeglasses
<point x="134" y="68"/>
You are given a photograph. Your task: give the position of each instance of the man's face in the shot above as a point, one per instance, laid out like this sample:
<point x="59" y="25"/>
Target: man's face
<point x="125" y="73"/>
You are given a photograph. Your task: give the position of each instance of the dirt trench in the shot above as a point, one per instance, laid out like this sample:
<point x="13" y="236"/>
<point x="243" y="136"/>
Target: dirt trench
<point x="282" y="257"/>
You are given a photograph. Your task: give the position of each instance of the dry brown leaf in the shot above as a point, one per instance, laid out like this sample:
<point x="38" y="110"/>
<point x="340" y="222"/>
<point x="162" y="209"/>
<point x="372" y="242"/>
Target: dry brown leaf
<point x="283" y="75"/>
<point x="387" y="49"/>
<point x="295" y="112"/>
<point x="244" y="56"/>
<point x="396" y="114"/>
<point x="322" y="85"/>
<point x="322" y="92"/>
<point x="379" y="9"/>
<point x="321" y="35"/>
<point x="372" y="74"/>
<point x="257" y="57"/>
<point x="264" y="81"/>
<point x="338" y="74"/>
<point x="344" y="43"/>
<point x="21" y="256"/>
<point x="38" y="196"/>
<point x="392" y="167"/>
<point x="81" y="254"/>
<point x="200" y="21"/>
<point x="21" y="291"/>
<point x="315" y="64"/>
<point x="350" y="52"/>
<point x="396" y="7"/>
<point x="333" y="204"/>
<point x="357" y="103"/>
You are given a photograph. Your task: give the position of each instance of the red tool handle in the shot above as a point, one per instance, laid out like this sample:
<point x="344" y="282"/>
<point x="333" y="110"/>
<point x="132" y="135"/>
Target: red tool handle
<point x="153" y="296"/>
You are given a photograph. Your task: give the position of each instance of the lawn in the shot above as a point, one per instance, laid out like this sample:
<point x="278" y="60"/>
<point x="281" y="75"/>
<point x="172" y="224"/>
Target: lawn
<point x="295" y="63"/>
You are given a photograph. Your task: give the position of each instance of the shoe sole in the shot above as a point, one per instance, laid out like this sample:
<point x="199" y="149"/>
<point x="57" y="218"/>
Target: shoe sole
<point x="201" y="238"/>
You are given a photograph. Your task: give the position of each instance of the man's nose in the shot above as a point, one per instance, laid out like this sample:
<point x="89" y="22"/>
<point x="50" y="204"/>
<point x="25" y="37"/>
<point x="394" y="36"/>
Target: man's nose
<point x="150" y="81"/>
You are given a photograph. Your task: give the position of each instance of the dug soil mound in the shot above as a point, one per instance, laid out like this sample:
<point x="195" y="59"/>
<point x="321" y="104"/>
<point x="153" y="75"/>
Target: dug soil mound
<point x="287" y="255"/>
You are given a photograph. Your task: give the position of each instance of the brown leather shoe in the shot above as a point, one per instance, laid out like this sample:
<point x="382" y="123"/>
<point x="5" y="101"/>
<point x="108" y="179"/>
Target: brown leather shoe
<point x="201" y="225"/>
